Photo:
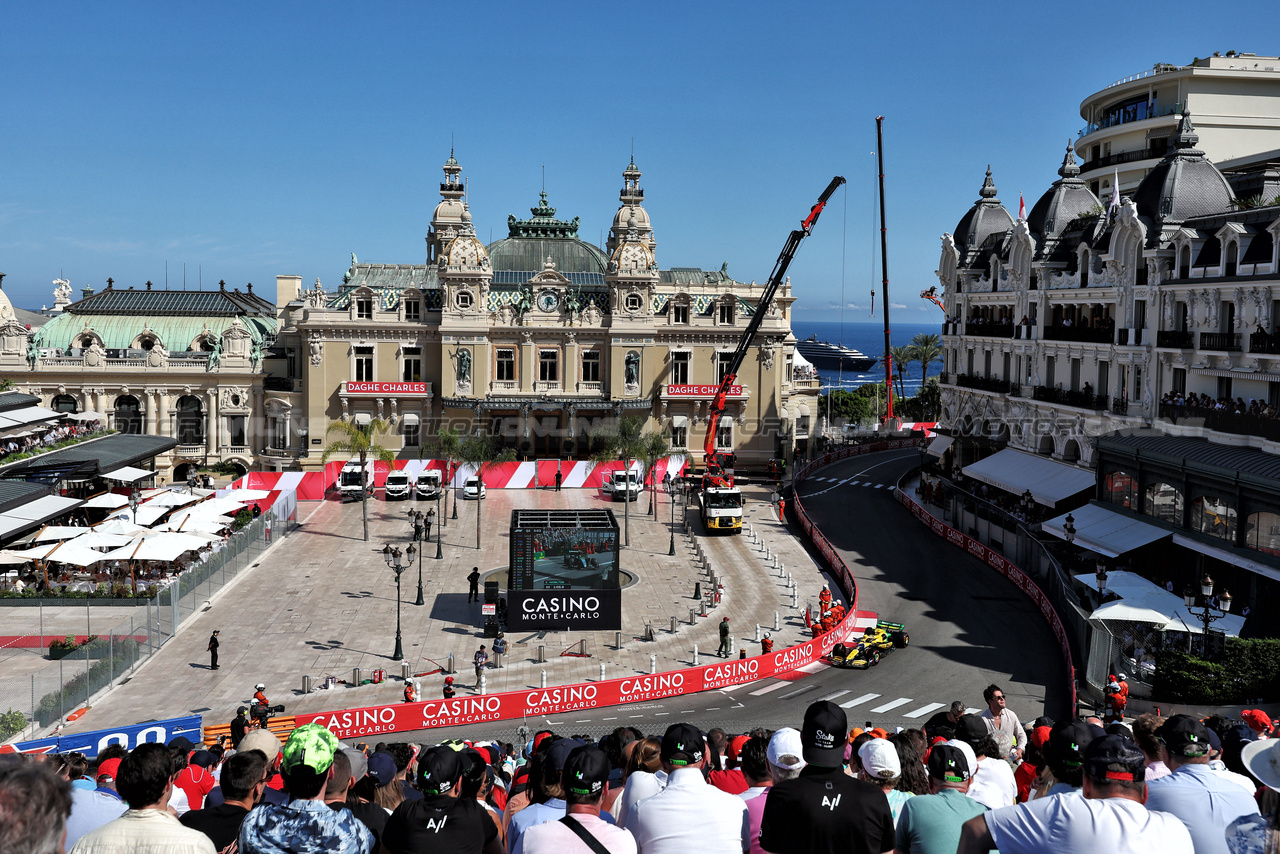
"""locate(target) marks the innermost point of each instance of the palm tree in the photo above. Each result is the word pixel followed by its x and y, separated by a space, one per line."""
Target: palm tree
pixel 655 448
pixel 625 441
pixel 358 440
pixel 902 359
pixel 478 452
pixel 445 446
pixel 927 349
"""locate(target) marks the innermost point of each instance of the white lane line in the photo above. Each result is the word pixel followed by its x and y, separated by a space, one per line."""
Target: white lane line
pixel 587 721
pixel 768 688
pixel 878 485
pixel 901 701
pixel 713 709
pixel 924 710
pixel 614 718
pixel 660 714
pixel 865 698
pixel 635 716
pixel 739 685
pixel 831 696
pixel 551 722
pixel 974 711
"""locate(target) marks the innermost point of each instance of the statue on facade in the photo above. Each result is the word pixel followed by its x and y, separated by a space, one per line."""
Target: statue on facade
pixel 215 354
pixel 33 352
pixel 524 301
pixel 464 367
pixel 573 303
pixel 632 368
pixel 255 353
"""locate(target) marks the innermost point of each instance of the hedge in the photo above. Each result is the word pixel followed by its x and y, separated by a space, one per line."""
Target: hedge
pixel 1248 672
pixel 72 694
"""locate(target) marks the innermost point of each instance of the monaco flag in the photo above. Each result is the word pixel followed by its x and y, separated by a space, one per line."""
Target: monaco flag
pixel 1022 208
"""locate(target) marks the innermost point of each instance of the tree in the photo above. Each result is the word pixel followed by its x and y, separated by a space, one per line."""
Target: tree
pixel 655 447
pixel 357 440
pixel 624 441
pixel 479 452
pixel 839 406
pixel 445 446
pixel 902 359
pixel 926 348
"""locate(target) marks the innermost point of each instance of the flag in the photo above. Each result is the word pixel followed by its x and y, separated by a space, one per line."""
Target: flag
pixel 1022 208
pixel 1115 195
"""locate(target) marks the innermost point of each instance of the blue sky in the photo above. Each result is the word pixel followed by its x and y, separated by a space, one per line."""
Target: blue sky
pixel 251 140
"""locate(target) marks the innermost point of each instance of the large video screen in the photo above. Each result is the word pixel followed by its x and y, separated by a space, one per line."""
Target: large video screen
pixel 561 554
pixel 566 559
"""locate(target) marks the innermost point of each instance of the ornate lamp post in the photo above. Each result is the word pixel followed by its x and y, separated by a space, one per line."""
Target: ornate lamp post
pixel 392 557
pixel 1028 502
pixel 1101 576
pixel 1070 529
pixel 431 517
pixel 416 519
pixel 670 489
pixel 1205 613
pixel 135 498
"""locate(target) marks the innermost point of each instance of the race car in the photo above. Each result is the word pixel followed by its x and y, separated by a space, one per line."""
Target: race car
pixel 882 638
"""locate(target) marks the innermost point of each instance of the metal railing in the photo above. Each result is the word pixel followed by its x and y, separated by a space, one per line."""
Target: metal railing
pixel 1225 341
pixel 1173 338
pixel 1119 406
pixel 1065 397
pixel 986 384
pixel 1221 420
pixel 1122 157
pixel 1094 334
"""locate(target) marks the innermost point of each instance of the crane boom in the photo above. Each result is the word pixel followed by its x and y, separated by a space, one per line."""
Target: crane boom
pixel 714 473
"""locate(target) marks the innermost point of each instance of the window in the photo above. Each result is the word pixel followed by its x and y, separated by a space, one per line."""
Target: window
pixel 190 421
pixel 64 403
pixel 506 364
pixel 634 302
pixel 412 309
pixel 1214 515
pixel 129 415
pixel 364 308
pixel 1120 489
pixel 790 365
pixel 591 366
pixel 1179 381
pixel 1184 263
pixel 724 435
pixel 548 365
pixel 679 436
pixel 680 368
pixel 279 435
pixel 235 431
pixel 412 372
pixel 412 434
pixel 464 300
pixel 723 361
pixel 291 363
pixel 1164 502
pixel 364 364
pixel 1262 532
pixel 680 314
pixel 726 314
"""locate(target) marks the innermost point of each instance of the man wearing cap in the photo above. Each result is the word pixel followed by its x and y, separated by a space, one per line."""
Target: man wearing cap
pixel 1204 801
pixel 239 726
pixel 824 809
pixel 440 820
pixel 264 741
pixel 585 781
pixel 725 651
pixel 689 814
pixel 305 824
pixel 337 797
pixel 993 783
pixel 783 762
pixel 1110 817
pixel 1258 721
pixel 242 786
pixel 213 650
pixel 553 784
pixel 930 824
pixel 1065 754
pixel 196 780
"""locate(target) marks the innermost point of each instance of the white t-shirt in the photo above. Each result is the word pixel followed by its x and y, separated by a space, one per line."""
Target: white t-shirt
pixel 639 785
pixel 1071 823
pixel 994 784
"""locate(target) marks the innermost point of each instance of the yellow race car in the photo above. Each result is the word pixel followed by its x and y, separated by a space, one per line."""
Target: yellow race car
pixel 881 639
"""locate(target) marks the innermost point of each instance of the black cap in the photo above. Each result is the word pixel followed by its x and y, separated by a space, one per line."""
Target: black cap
pixel 1112 750
pixel 181 743
pixel 1068 741
pixel 972 730
pixel 1185 736
pixel 682 744
pixel 439 769
pixel 822 737
pixel 204 759
pixel 1119 729
pixel 240 710
pixel 559 752
pixel 948 764
pixel 585 771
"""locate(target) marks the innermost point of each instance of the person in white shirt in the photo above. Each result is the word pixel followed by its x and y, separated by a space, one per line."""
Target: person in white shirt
pixel 689 814
pixel 1109 817
pixel 1004 724
pixel 645 778
pixel 585 780
pixel 993 784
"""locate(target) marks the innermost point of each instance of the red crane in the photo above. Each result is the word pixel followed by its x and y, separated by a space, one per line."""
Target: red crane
pixel 715 474
pixel 932 296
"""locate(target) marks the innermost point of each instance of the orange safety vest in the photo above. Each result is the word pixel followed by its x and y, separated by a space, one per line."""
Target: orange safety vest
pixel 766 646
pixel 410 694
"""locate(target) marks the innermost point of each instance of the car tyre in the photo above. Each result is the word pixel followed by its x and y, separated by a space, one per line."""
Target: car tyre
pixel 875 658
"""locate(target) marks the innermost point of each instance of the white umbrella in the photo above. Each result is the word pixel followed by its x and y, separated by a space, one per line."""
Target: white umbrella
pixel 107 501
pixel 193 524
pixel 146 516
pixel 36 553
pixel 58 532
pixel 8 558
pixel 171 499
pixel 164 546
pixel 118 525
pixel 76 555
pixel 217 507
pixel 98 540
pixel 246 494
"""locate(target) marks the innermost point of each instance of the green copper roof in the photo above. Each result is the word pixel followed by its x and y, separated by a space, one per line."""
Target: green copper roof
pixel 118 332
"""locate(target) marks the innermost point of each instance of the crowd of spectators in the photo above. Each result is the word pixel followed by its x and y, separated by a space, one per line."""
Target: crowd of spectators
pixel 52 435
pixel 961 783
pixel 1201 404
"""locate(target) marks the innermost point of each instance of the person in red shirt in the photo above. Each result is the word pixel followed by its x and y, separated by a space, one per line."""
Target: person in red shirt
pixel 824 599
pixel 1032 761
pixel 410 691
pixel 196 780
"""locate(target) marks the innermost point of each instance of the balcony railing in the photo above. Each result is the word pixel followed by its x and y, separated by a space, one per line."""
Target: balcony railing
pixel 989 330
pixel 1221 420
pixel 1119 406
pixel 1128 336
pixel 1226 341
pixel 1172 338
pixel 504 385
pixel 1064 397
pixel 546 385
pixel 281 384
pixel 190 450
pixel 1122 157
pixel 1261 342
pixel 1095 334
pixel 589 386
pixel 986 384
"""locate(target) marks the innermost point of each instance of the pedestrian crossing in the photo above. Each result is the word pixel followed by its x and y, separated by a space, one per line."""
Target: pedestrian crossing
pixel 847 482
pixel 907 708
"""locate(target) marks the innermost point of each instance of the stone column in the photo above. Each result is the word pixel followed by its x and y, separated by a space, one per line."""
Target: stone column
pixel 211 424
pixel 151 400
pixel 571 370
pixel 528 363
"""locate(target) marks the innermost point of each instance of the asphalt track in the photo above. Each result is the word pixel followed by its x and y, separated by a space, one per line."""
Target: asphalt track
pixel 969 627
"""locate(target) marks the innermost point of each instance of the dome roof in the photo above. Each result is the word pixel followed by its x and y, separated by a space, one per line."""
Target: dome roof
pixel 1068 198
pixel 465 250
pixel 530 242
pixel 987 217
pixel 1185 184
pixel 627 212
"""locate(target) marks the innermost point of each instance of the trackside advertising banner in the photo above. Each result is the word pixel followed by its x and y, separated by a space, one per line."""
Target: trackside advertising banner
pixel 90 743
pixel 565 609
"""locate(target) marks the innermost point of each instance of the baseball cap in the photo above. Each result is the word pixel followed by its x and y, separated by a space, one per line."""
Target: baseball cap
pixel 949 764
pixel 586 770
pixel 786 742
pixel 1068 741
pixel 972 730
pixel 310 746
pixel 1040 735
pixel 181 743
pixel 822 734
pixel 1117 728
pixel 682 744
pixel 735 746
pixel 970 758
pixel 1257 719
pixel 261 739
pixel 359 763
pixel 240 710
pixel 382 768
pixel 880 759
pixel 1114 750
pixel 204 759
pixel 438 770
pixel 1184 735
pixel 110 769
pixel 560 751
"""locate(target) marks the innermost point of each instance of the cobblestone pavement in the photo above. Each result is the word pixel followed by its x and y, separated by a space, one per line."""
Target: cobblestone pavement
pixel 323 602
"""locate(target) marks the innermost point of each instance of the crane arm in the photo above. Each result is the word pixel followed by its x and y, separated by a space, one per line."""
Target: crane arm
pixel 710 454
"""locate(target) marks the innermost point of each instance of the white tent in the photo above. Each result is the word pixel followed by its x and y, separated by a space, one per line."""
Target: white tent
pixel 36 553
pixel 98 540
pixel 1144 602
pixel 128 474
pixel 58 532
pixel 74 554
pixel 8 558
pixel 164 546
pixel 107 501
pixel 192 524
pixel 1017 472
pixel 218 507
pixel 169 498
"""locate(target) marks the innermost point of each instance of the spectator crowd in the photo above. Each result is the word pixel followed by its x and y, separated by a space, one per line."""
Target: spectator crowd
pixel 961 783
pixel 32 440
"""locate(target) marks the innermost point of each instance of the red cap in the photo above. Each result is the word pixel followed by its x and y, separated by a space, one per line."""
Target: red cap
pixel 109 768
pixel 735 745
pixel 1040 735
pixel 1256 718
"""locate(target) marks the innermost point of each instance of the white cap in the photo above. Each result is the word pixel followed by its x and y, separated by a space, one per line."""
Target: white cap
pixel 969 755
pixel 880 759
pixel 786 742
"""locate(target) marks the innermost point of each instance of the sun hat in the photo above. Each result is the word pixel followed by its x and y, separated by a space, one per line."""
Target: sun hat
pixel 1261 758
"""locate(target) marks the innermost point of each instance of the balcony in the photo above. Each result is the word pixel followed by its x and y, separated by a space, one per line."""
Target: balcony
pixel 190 450
pixel 1261 342
pixel 1222 421
pixel 1117 159
pixel 281 384
pixel 546 386
pixel 504 385
pixel 1172 338
pixel 986 384
pixel 277 453
pixel 1129 337
pixel 590 387
pixel 1096 335
pixel 1226 341
pixel 989 330
pixel 1119 406
pixel 1078 399
pixel 1128 117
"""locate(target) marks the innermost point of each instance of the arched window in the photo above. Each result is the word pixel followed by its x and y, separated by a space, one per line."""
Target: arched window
pixel 1233 253
pixel 1214 515
pixel 1164 502
pixel 1184 263
pixel 128 414
pixel 1121 489
pixel 1084 269
pixel 190 421
pixel 64 403
pixel 1262 532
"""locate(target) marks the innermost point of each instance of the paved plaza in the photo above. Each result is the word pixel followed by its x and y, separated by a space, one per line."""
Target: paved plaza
pixel 323 602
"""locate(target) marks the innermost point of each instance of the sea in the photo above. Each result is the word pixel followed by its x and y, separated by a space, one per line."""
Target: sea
pixel 869 339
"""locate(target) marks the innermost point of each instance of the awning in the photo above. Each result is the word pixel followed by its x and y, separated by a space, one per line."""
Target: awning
pixel 128 474
pixel 802 410
pixel 87 415
pixel 1105 531
pixel 106 501
pixel 939 446
pixel 1226 555
pixel 1142 601
pixel 410 418
pixel 43 508
pixel 680 421
pixel 362 419
pixel 27 415
pixel 1017 472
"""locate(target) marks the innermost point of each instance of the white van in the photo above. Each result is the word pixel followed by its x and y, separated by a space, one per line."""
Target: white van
pixel 428 485
pixel 351 481
pixel 397 485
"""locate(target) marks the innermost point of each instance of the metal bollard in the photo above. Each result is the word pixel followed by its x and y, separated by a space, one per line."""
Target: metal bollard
pixel 793 597
pixel 673 625
pixel 653 664
pixel 757 633
pixel 483 683
pixel 617 643
pixel 405 670
pixel 693 616
pixel 306 684
pixel 544 679
pixel 703 608
pixel 775 621
pixel 602 671
pixel 450 668
pixel 542 654
pixel 356 677
pixel 695 655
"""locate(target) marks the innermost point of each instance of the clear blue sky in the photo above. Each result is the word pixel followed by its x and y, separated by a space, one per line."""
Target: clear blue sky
pixel 252 140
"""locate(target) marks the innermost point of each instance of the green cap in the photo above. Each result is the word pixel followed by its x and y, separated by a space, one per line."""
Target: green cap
pixel 311 746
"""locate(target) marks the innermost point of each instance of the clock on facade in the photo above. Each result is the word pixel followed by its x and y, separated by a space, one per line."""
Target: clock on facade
pixel 547 300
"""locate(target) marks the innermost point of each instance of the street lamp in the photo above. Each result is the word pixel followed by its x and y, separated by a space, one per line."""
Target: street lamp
pixel 670 489
pixel 1028 501
pixel 392 557
pixel 134 499
pixel 1070 529
pixel 431 517
pixel 415 519
pixel 1101 576
pixel 1205 613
